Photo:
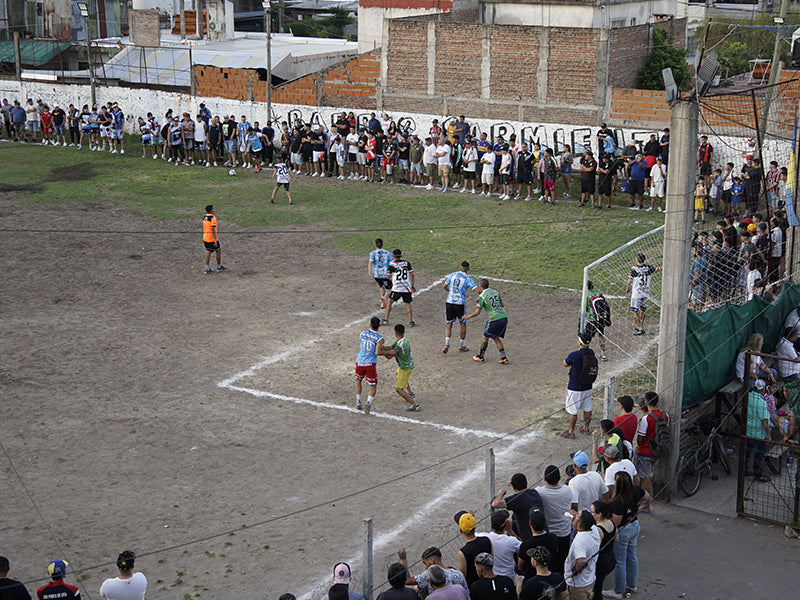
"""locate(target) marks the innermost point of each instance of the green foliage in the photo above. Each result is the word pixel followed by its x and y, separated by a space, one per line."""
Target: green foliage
pixel 326 27
pixel 664 56
pixel 732 57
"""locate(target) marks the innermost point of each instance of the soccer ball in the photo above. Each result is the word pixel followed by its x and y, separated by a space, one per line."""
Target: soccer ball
pixel 232 172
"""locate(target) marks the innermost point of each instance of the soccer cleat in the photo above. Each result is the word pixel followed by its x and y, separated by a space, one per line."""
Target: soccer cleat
pixel 384 321
pixel 220 268
pixel 503 361
pixel 414 408
pixel 412 324
pixel 478 358
pixel 359 406
pixel 208 270
pixel 256 170
pixel 368 407
pixel 446 349
pixel 463 349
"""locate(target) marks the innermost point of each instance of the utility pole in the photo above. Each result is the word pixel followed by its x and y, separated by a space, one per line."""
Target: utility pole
pixel 267 5
pixel 774 73
pixel 182 10
pixel 675 283
pixel 84 10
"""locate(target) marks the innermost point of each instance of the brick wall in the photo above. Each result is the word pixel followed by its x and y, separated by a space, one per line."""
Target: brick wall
pixel 458 59
pixel 350 83
pixel 515 59
pixel 630 47
pixel 572 65
pixel 639 108
pixel 407 68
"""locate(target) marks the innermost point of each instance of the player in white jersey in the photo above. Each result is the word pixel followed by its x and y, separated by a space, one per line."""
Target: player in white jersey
pixel 402 275
pixel 379 260
pixel 283 175
pixel 371 347
pixel 456 284
pixel 639 286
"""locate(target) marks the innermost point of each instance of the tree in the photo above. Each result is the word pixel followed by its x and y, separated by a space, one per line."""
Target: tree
pixel 326 27
pixel 664 56
pixel 733 58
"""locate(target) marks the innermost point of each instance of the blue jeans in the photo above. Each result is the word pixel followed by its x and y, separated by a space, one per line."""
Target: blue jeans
pixel 627 568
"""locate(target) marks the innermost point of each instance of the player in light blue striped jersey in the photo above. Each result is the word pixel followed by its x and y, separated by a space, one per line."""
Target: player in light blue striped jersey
pixel 379 260
pixel 457 284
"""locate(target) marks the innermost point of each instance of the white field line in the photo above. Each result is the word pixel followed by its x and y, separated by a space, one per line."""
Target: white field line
pixel 544 285
pixel 467 478
pixel 230 384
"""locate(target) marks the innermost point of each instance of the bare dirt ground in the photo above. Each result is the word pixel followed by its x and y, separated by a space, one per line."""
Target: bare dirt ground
pixel 113 347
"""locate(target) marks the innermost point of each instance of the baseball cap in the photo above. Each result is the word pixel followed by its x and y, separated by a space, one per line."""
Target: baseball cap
pixel 341 573
pixel 287 596
pixel 580 459
pixel 499 519
pixel 467 522
pixel 584 338
pixel 611 451
pixel 626 402
pixel 760 384
pixel 458 515
pixel 57 568
pixel 484 559
pixel 540 554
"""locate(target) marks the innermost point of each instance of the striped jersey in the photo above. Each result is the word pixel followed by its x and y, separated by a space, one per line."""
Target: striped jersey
pixel 380 258
pixel 458 283
pixel 400 271
pixel 369 342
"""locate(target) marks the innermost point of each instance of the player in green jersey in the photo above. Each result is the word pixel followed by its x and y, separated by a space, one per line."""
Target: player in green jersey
pixel 401 350
pixel 489 300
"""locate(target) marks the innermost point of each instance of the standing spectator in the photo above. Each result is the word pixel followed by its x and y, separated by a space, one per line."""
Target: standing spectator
pixel 664 143
pixel 86 128
pixel 351 141
pixel 700 199
pixel 504 172
pixel 606 171
pixel 588 169
pixel 469 159
pixel 776 253
pixel 59 125
pixel 557 501
pixel 404 158
pixel 46 120
pixel 698 279
pixel 341 577
pixel 435 132
pixel 658 189
pixel 214 140
pixel 5 109
pixel 211 239
pixel 457 284
pixel 638 284
pixel 442 155
pixel 637 169
pixel 127 585
pixel 606 558
pixel 18 117
pixel 540 538
pixel 56 589
pixel 505 544
pixel 598 315
pixel 440 588
pixel 758 430
pixel 705 155
pixel 462 129
pixel 176 153
pixel 74 121
pixel 229 133
pixel 605 141
pixel 521 502
pixel 268 133
pixel 548 168
pixel 432 559
pixel 205 114
pixel 397 580
pixel 773 177
pixel 645 434
pixel 487 173
pixel 117 127
pixel 523 170
pixel 187 133
pixel 373 124
pixel 579 567
pixel 10 589
pixel 490 586
pixel 579 392
pixel 472 547
pixel 32 119
pixel 415 155
pixel 785 349
pixel 200 140
pixel 567 158
pixel 544 584
pixel 402 275
pixel 616 463
pixel 627 421
pixel 625 506
pixel 496 322
pixel 752 176
pixel 586 486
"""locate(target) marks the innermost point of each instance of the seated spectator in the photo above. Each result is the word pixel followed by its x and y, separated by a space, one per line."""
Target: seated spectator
pixel 758 369
pixel 785 349
pixel 432 557
pixel 397 580
pixel 441 589
pixel 545 584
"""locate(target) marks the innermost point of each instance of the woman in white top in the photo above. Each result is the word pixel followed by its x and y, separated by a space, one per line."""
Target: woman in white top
pixel 128 585
pixel 757 368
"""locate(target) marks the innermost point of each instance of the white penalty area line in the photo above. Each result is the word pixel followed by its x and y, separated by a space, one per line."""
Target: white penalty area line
pixel 544 285
pixel 231 384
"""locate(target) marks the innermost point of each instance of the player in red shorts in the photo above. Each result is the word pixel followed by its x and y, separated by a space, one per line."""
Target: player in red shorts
pixel 371 347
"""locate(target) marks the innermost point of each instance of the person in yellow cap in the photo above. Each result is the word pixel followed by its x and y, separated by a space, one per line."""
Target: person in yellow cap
pixel 57 589
pixel 474 545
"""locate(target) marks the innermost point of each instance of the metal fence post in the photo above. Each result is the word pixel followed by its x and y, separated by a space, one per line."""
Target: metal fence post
pixel 610 393
pixel 490 484
pixel 366 588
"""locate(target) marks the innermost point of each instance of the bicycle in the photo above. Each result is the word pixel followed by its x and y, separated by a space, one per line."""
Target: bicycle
pixel 699 458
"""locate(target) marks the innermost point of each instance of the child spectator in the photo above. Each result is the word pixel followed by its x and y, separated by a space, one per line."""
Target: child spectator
pixel 700 195
pixel 737 191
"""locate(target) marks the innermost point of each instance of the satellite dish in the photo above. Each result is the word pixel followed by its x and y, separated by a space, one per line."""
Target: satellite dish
pixel 706 73
pixel 669 85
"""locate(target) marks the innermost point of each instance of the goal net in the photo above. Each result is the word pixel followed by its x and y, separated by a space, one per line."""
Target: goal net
pixel 632 356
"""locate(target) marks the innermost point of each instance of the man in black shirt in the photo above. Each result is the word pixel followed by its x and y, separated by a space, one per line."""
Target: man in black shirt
pixel 540 537
pixel 544 584
pixel 472 548
pixel 520 503
pixel 490 586
pixel 403 154
pixel 10 589
pixel 59 119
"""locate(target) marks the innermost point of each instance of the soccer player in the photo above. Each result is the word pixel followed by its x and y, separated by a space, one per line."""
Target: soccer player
pixel 456 284
pixel 598 316
pixel 489 300
pixel 402 275
pixel 282 175
pixel 379 260
pixel 211 239
pixel 371 347
pixel 401 350
pixel 639 285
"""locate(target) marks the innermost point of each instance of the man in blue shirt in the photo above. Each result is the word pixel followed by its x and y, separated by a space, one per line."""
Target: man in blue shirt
pixel 757 431
pixel 579 395
pixel 457 284
pixel 638 171
pixel 204 113
pixel 379 260
pixel 117 125
pixel 371 346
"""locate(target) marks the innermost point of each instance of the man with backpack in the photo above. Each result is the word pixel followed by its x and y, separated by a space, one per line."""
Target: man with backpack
pixel 598 316
pixel 654 439
pixel 582 365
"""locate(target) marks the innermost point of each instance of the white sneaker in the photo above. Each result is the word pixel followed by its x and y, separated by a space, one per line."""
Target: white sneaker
pixel 144 155
pixel 649 209
pixel 314 174
pixel 64 144
pixel 78 146
pixel 527 198
pixel 155 156
pixel 71 144
pixel 208 164
pixel 169 159
pixel 483 193
pixel 517 197
pixel 473 191
pixel 215 164
pixel 462 190
pixel 612 594
pixel 429 187
pixel 541 198
pixel 454 186
pixel 340 177
pixel 122 151
pixel 191 163
pixel 114 151
pixel 322 174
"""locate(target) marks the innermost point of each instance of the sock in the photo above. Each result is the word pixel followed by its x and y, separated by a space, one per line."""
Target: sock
pixel 369 399
pixel 447 341
pixel 462 343
pixel 483 349
pixel 502 353
pixel 358 397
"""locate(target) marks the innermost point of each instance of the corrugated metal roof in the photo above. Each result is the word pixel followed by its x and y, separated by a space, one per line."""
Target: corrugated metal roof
pixel 32 52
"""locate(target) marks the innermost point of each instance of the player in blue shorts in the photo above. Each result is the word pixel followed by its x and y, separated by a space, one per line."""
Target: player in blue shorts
pixel 456 284
pixel 379 260
pixel 489 300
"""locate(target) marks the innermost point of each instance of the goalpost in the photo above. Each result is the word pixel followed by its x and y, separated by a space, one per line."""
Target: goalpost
pixel 632 357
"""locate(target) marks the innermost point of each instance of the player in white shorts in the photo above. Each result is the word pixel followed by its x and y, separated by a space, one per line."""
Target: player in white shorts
pixel 283 175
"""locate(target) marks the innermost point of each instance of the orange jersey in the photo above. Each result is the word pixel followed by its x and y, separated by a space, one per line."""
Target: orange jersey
pixel 209 228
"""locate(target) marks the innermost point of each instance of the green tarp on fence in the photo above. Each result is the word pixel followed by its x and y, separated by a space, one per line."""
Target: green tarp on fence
pixel 713 340
pixel 32 52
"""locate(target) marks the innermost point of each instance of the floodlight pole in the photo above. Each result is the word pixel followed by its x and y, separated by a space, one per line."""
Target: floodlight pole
pixel 83 7
pixel 268 28
pixel 774 73
pixel 675 283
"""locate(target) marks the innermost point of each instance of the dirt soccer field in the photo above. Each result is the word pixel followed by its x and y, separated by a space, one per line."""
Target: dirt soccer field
pixel 147 406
